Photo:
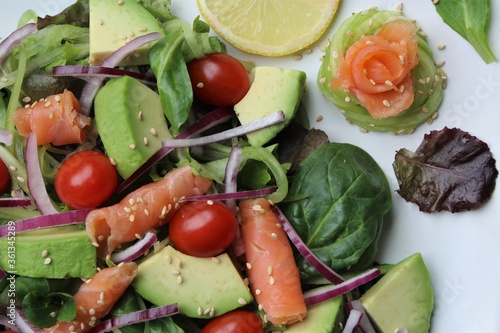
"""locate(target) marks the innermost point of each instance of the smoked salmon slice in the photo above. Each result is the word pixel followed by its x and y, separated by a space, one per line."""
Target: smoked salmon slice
pixel 96 296
pixel 272 272
pixel 56 119
pixel 377 69
pixel 143 210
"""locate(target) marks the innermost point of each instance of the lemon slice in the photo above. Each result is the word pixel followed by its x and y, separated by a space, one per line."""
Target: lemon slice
pixel 269 27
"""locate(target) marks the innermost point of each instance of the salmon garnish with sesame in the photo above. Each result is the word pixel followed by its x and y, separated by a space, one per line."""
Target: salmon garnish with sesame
pixel 96 296
pixel 377 69
pixel 56 119
pixel 143 210
pixel 272 272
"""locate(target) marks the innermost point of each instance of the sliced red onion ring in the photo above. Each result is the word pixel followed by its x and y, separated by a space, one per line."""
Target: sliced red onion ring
pixel 15 202
pixel 218 116
pixel 330 291
pixel 14 39
pixel 135 317
pixel 353 320
pixel 262 192
pixel 136 250
pixel 90 89
pixel 101 72
pixel 5 137
pixel 323 269
pixel 365 324
pixel 36 183
pixel 231 173
pixel 46 221
pixel 23 325
pixel 269 120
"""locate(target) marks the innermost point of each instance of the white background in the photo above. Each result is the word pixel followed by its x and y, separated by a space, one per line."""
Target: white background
pixel 461 250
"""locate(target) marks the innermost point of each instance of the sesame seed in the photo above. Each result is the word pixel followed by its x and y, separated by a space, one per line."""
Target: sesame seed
pixel 176 272
pixel 420 92
pixel 131 218
pixel 278 225
pixel 249 265
pixel 212 312
pixel 372 82
pixel 20 179
pixel 127 209
pixel 322 80
pixel 388 83
pixel 435 2
pixel 242 301
pixel 319 118
pixel 100 21
pixel 82 326
pixel 164 211
pixel 401 88
pixel 200 311
pixel 274 235
pixel 27 99
pixel 210 202
pixel 45 253
pixel 101 302
pixel 47 261
pixel 146 212
pixel 297 56
pixel 112 161
pixel 4 79
pixel 131 146
pixel 143 29
pixel 216 260
pixel 53 315
pixel 101 296
pixel 386 103
pixel 257 291
pixel 369 42
pixel 441 47
pixel 421 81
pixel 120 2
pixel 179 279
pixel 260 307
pixel 146 141
pixel 140 115
pixel 335 54
pixel 168 259
pixel 207 311
pixel 47 104
pixel 271 280
pixel 88 281
pixel 269 270
pixel 350 33
pixel 401 59
pixel 153 131
pixel 425 109
pixel 138 236
pixel 71 328
pixel 440 63
pixel 256 207
pixel 100 238
pixel 347 99
pixel 370 23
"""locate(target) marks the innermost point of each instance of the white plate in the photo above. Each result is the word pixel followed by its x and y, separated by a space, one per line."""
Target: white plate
pixel 461 250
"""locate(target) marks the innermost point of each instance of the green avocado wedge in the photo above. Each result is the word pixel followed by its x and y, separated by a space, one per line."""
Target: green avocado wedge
pixel 402 298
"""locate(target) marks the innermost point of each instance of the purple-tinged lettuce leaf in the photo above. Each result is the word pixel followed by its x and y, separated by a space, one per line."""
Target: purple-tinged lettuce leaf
pixel 451 170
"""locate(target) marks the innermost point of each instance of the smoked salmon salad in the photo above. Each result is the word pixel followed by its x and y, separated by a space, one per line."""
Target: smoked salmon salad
pixel 153 179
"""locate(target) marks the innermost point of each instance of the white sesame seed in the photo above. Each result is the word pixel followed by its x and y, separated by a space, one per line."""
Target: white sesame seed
pixel 100 238
pixel 386 103
pixel 210 202
pixel 131 146
pixel 271 280
pixel 179 279
pixel 88 281
pixel 335 54
pixel 153 131
pixel 176 272
pixel 269 270
pixel 146 212
pixel 140 115
pixel 138 236
pixel 20 179
pixel 212 312
pixel 256 207
pixel 47 261
pixel 127 209
pixel 101 302
pixel 258 291
pixel 52 314
pixel 216 260
pixel 45 253
pixel 388 83
pixel 347 99
pixel 146 141
pixel 322 80
pixel 168 259
pixel 369 42
pixel 249 265
pixel 242 301
pixel 200 311
pixel 372 82
pixel 4 79
pixel 441 46
pixel 131 218
pixel 274 235
pixel 207 311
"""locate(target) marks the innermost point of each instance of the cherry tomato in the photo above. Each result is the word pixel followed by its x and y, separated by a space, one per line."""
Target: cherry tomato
pixel 86 179
pixel 4 177
pixel 218 79
pixel 203 229
pixel 236 321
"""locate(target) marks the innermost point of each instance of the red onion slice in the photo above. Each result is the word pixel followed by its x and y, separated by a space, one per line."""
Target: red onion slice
pixel 365 324
pixel 46 221
pixel 5 137
pixel 101 72
pixel 36 183
pixel 136 250
pixel 323 269
pixel 15 202
pixel 14 39
pixel 262 192
pixel 330 291
pixel 23 325
pixel 352 321
pixel 209 120
pixel 269 120
pixel 90 89
pixel 231 173
pixel 135 317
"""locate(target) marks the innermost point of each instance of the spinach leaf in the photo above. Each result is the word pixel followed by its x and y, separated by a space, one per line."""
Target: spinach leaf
pixel 470 19
pixel 174 85
pixel 346 195
pixel 45 310
pixel 450 170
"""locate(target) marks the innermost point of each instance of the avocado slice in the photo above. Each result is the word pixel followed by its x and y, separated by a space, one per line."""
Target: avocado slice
pixel 114 23
pixel 130 121
pixel 52 253
pixel 202 287
pixel 272 89
pixel 325 317
pixel 402 298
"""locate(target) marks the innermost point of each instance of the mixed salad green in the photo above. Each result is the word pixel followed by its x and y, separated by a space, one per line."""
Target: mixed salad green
pixel 334 195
